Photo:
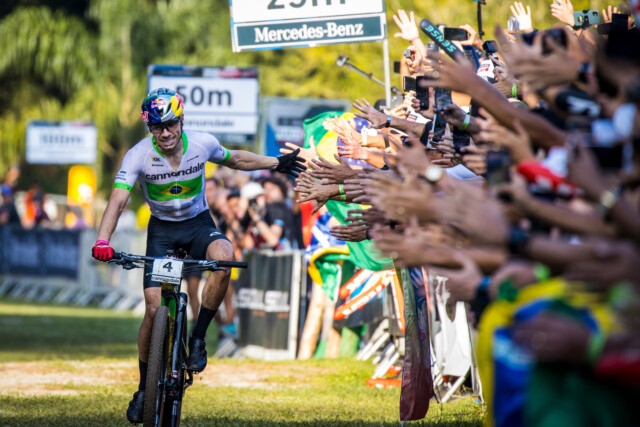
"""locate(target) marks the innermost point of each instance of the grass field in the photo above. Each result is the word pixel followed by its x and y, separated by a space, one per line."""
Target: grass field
pixel 65 366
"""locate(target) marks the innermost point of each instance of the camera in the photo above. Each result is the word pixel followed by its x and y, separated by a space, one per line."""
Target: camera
pixel 461 139
pixel 586 18
pixel 443 98
pixel 490 47
pixel 498 162
pixel 513 26
pixel 422 93
pixel 253 204
pixel 557 35
pixel 455 34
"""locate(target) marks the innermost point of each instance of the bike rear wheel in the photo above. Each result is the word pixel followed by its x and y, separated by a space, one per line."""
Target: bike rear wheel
pixel 157 366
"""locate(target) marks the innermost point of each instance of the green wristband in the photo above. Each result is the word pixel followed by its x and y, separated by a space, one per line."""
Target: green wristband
pixel 343 198
pixel 341 188
pixel 595 347
pixel 541 272
pixel 514 91
pixel 467 120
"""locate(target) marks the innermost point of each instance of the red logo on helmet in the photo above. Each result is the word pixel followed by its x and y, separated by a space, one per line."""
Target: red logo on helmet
pixel 158 102
pixel 145 116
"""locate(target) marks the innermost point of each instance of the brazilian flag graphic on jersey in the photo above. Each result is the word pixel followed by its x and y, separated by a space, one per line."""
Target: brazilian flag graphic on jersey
pixel 174 190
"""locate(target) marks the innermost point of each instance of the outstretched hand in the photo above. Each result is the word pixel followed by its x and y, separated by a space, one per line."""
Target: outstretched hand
pixel 291 163
pixel 368 112
pixel 307 154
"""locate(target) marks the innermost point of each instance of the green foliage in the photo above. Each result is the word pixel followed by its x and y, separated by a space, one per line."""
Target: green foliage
pixel 62 66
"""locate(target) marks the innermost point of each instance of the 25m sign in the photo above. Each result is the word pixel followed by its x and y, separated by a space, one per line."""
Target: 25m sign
pixel 273 24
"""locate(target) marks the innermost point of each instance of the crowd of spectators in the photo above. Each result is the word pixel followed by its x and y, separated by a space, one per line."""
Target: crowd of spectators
pixel 513 175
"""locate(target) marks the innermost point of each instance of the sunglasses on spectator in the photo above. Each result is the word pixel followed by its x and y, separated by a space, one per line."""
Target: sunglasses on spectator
pixel 159 127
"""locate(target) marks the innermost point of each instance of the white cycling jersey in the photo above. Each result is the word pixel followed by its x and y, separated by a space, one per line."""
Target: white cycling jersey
pixel 172 195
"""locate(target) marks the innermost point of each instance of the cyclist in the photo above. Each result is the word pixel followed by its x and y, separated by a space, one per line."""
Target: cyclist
pixel 169 166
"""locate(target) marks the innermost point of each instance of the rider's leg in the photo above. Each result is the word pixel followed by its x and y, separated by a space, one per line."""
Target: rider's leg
pixel 152 298
pixel 193 286
pixel 215 287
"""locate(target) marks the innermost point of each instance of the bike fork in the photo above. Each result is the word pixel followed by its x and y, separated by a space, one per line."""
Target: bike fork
pixel 179 344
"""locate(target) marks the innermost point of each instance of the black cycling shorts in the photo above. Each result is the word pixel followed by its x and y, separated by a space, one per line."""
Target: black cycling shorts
pixel 193 235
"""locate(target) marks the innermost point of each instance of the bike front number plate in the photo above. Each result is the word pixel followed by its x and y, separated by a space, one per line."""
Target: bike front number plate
pixel 167 271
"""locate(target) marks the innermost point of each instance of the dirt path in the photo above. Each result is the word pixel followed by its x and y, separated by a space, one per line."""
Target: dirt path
pixel 72 377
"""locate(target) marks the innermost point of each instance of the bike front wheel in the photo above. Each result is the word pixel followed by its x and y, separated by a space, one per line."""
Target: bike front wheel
pixel 157 367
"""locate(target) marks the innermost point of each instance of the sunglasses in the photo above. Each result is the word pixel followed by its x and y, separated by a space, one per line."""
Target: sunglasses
pixel 159 127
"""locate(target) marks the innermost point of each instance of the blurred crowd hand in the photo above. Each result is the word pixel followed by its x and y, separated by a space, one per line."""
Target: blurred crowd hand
pixel 368 112
pixel 307 154
pixel 415 62
pixel 482 220
pixel 515 191
pixel 453 115
pixel 505 79
pixel 519 272
pixel 355 188
pixel 353 150
pixel 369 217
pixel 473 39
pixel 411 159
pixel 607 14
pixel 462 283
pixel 409 247
pixel 562 10
pixel 312 189
pixel 400 111
pixel 429 113
pixel 345 129
pixel 474 159
pixel 331 173
pixel 613 262
pixel 523 16
pixel 517 141
pixel 407 25
pixel 554 337
pixel 583 166
pixel 457 76
pixel 399 200
pixel 352 232
pixel 531 66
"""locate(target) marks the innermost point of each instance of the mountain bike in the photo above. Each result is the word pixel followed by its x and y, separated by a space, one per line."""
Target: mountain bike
pixel 167 374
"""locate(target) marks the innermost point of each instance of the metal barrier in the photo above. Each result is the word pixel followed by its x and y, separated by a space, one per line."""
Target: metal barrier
pixel 56 266
pixel 269 293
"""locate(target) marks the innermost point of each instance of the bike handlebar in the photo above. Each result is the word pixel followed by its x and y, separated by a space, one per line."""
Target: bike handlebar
pixel 205 264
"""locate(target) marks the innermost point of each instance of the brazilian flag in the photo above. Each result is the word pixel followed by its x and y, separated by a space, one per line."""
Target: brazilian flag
pixel 362 254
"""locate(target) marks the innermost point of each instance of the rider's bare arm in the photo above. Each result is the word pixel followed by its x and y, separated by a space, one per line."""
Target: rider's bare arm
pixel 116 205
pixel 247 161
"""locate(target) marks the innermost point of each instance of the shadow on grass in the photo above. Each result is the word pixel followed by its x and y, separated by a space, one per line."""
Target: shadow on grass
pixel 45 337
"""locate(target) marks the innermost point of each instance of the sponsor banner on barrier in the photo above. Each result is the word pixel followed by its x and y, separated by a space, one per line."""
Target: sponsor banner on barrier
pixel 274 24
pixel 268 304
pixel 39 252
pixel 219 100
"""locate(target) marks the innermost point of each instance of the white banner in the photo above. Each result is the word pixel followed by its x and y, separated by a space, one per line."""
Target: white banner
pixel 61 142
pixel 277 10
pixel 224 104
pixel 274 24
